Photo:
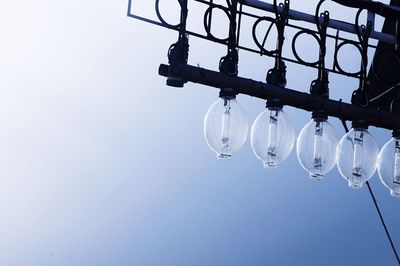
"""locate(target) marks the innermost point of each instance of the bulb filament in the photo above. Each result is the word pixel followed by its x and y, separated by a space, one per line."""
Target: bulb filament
pixel 226 126
pixel 317 164
pixel 396 179
pixel 358 156
pixel 272 138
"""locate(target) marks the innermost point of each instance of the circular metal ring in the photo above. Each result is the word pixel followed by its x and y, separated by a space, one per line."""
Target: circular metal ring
pixel 162 20
pixel 259 45
pixel 336 61
pixel 207 25
pixel 294 40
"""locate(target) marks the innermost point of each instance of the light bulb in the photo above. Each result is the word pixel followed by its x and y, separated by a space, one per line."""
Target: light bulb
pixel 317 148
pixel 389 166
pixel 272 136
pixel 225 127
pixel 358 152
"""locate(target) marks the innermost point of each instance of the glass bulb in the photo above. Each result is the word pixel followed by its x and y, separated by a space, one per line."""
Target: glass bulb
pixel 389 166
pixel 225 127
pixel 317 148
pixel 358 152
pixel 272 136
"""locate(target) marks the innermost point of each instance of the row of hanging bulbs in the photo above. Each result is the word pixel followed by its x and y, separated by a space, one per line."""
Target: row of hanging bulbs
pixel 356 155
pixel 272 133
pixel 318 148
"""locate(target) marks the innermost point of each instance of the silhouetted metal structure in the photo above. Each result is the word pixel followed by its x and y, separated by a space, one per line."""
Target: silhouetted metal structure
pixel 377 89
pixel 375 102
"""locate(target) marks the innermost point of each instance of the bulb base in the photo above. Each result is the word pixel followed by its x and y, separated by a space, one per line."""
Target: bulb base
pixel 223 156
pixel 274 104
pixel 227 93
pixel 319 116
pixel 355 185
pixel 396 133
pixel 359 124
pixel 316 177
pixel 395 193
pixel 270 164
pixel 175 82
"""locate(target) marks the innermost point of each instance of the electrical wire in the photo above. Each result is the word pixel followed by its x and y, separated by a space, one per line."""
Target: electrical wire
pixel 383 222
pixel 385 92
pixel 377 208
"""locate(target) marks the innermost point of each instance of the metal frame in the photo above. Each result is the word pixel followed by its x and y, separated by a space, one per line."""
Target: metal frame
pixel 360 111
pixel 234 10
pixel 290 97
pixel 339 26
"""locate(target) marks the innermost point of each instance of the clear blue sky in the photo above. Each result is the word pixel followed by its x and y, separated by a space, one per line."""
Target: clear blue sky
pixel 102 164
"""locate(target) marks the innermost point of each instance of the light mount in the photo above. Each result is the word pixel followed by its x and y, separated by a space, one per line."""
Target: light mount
pixel 369 102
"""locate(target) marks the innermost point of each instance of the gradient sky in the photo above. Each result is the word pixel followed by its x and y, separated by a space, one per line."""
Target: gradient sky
pixel 102 164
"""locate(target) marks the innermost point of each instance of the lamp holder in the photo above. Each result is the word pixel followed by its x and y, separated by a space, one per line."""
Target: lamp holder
pixel 363 33
pixel 284 17
pixel 178 52
pixel 229 64
pixel 320 86
pixel 227 93
pixel 277 75
pixel 360 96
pixel 281 20
pixel 274 103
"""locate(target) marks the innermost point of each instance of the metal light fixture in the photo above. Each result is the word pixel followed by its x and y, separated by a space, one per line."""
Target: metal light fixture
pixel 272 134
pixel 225 124
pixel 358 150
pixel 317 142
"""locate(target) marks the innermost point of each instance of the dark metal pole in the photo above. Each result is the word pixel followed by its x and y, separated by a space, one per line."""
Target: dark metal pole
pixel 387 11
pixel 289 97
pixel 335 24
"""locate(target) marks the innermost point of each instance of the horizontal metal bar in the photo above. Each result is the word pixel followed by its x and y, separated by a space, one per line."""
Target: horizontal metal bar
pixel 335 24
pixel 298 27
pixel 289 97
pixel 387 11
pixel 150 21
pixel 204 37
pixel 157 23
